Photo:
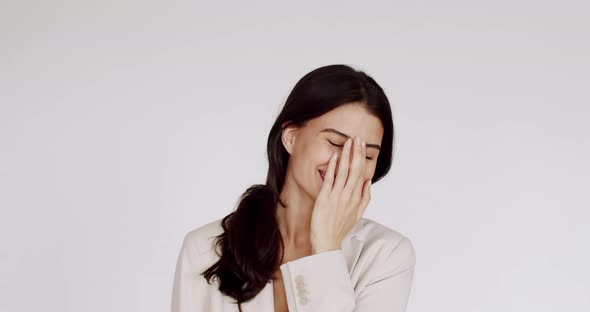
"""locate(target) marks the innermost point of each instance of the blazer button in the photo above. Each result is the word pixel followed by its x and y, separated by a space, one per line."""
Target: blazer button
pixel 299 283
pixel 303 300
pixel 299 279
pixel 301 290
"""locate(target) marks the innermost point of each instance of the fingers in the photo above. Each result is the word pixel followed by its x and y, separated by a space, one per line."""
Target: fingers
pixel 353 188
pixel 329 176
pixel 343 165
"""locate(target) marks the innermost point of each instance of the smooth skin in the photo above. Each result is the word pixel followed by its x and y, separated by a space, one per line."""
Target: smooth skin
pixel 340 204
pixel 343 198
pixel 320 212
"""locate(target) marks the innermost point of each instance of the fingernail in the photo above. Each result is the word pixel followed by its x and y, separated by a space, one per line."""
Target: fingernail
pixel 348 143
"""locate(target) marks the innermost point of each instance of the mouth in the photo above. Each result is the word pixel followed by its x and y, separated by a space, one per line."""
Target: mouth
pixel 322 174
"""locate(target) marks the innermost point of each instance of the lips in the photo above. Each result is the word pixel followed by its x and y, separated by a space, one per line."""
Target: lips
pixel 322 174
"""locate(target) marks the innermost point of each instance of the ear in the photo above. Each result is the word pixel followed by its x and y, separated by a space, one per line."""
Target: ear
pixel 288 137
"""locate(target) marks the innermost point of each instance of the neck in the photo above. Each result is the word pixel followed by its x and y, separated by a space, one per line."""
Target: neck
pixel 294 220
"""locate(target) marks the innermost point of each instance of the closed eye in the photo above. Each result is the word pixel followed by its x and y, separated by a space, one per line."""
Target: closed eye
pixel 341 145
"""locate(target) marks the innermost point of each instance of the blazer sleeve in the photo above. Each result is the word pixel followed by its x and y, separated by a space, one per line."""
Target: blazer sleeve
pixel 321 282
pixel 186 289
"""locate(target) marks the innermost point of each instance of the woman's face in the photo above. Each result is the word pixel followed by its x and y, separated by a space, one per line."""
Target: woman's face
pixel 311 146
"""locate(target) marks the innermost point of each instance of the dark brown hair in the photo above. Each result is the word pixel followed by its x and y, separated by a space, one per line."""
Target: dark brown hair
pixel 251 245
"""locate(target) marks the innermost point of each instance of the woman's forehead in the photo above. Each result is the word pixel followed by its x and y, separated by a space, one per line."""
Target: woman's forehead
pixel 349 120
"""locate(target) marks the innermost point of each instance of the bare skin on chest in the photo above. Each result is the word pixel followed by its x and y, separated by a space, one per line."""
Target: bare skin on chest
pixel 280 297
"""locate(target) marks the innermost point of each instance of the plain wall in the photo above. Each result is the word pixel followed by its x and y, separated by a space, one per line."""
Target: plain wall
pixel 123 125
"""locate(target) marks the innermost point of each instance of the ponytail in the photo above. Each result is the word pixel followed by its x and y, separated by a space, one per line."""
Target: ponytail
pixel 250 246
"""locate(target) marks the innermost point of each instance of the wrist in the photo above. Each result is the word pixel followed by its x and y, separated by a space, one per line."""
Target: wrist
pixel 321 247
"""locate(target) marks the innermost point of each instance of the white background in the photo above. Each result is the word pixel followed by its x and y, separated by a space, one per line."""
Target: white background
pixel 123 125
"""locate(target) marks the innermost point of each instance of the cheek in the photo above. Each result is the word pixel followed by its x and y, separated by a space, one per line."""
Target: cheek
pixel 307 158
pixel 370 171
pixel 320 153
pixel 324 155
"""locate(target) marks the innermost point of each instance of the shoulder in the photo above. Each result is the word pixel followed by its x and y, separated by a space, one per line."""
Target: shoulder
pixel 199 244
pixel 383 245
pixel 201 238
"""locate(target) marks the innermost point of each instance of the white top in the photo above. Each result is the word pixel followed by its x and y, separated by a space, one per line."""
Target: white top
pixel 372 272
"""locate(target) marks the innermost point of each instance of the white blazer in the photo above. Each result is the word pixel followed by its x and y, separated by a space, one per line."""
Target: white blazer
pixel 372 272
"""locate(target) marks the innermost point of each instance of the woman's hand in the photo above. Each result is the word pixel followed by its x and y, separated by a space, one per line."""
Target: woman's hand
pixel 342 199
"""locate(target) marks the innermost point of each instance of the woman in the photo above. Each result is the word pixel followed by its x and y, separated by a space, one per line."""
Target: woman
pixel 299 242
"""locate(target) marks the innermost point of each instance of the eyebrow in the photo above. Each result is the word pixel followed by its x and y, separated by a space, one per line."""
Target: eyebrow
pixel 348 136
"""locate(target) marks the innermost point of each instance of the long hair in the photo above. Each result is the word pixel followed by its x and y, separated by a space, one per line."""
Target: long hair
pixel 251 245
